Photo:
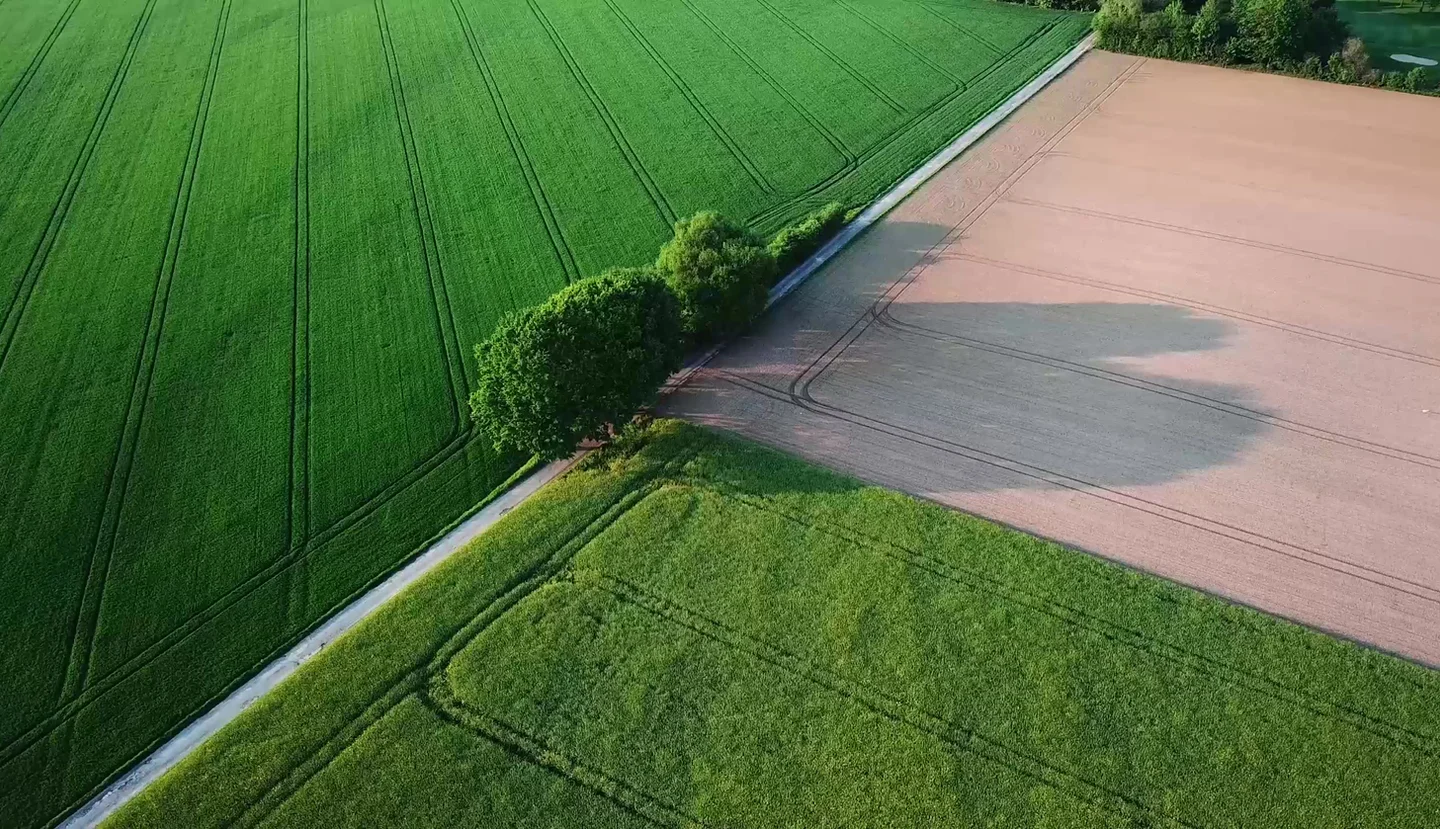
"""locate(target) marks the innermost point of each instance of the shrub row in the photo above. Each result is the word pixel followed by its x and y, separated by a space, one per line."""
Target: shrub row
pixel 579 365
pixel 1298 37
pixel 795 243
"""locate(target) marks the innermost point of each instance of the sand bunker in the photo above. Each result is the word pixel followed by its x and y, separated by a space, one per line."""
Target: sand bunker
pixel 1418 61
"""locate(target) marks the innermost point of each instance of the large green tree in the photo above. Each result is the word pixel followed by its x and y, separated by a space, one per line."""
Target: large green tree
pixel 578 365
pixel 720 272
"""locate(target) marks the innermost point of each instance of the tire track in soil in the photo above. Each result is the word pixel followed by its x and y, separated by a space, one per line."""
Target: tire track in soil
pixel 799 394
pixel 693 98
pixel 25 289
pixel 84 628
pixel 637 167
pixel 886 319
pixel 1218 310
pixel 847 337
pixel 1080 486
pixel 23 82
pixel 1235 240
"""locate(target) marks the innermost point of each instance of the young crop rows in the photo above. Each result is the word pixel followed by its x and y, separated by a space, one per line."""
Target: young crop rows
pixel 706 633
pixel 246 247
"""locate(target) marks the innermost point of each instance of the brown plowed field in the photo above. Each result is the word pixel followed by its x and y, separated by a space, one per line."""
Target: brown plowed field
pixel 1182 317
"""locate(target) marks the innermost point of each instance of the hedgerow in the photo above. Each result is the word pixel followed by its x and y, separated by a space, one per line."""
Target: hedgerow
pixel 794 243
pixel 1296 37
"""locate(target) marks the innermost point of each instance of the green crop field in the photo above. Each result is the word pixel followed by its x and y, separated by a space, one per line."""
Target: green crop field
pixel 705 632
pixel 1395 27
pixel 246 247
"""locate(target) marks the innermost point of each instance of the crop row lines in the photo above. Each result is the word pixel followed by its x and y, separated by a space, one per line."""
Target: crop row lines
pixel 829 53
pixel 420 204
pixel 529 748
pixel 117 479
pixel 662 204
pixel 901 131
pixel 862 695
pixel 809 117
pixel 957 27
pixel 457 638
pixel 25 289
pixel 564 254
pixel 901 42
pixel 177 636
pixel 1125 636
pixel 716 127
pixel 23 82
pixel 296 555
pixel 297 508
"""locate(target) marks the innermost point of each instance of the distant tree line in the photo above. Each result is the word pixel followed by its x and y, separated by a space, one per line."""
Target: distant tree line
pixel 1297 37
pixel 1306 38
pixel 580 365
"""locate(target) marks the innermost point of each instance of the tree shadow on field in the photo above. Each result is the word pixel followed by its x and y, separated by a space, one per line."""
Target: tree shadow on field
pixel 973 396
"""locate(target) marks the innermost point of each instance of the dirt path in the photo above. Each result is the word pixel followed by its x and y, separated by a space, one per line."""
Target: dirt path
pixel 1182 317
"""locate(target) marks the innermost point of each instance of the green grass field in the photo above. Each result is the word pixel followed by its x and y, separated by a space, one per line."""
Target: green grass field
pixel 246 247
pixel 1391 27
pixel 705 632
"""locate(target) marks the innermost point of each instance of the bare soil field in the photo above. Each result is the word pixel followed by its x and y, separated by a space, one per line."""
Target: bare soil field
pixel 1178 316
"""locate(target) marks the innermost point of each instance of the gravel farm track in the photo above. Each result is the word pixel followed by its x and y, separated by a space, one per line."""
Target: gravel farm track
pixel 1178 316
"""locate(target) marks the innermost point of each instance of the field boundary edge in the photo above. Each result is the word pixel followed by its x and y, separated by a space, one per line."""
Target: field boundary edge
pixel 156 764
pixel 899 193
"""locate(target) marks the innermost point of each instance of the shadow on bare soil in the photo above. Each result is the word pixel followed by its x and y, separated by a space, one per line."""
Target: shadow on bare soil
pixel 989 395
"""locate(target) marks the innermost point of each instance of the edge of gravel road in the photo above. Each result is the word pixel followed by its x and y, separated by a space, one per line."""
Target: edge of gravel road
pixel 141 775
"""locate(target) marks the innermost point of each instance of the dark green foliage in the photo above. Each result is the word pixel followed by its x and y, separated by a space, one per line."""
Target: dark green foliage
pixel 794 243
pixel 1418 80
pixel 1291 36
pixel 579 364
pixel 1177 29
pixel 1351 64
pixel 1273 32
pixel 1211 29
pixel 721 273
pixel 1117 26
pixel 1311 67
